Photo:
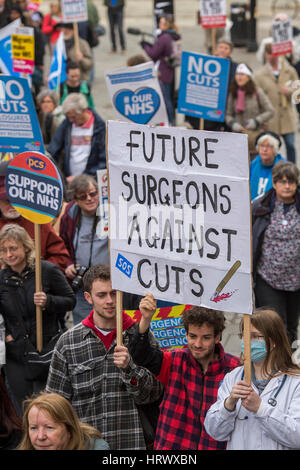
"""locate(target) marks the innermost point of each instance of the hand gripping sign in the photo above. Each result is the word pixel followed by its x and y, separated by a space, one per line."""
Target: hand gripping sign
pixel 35 190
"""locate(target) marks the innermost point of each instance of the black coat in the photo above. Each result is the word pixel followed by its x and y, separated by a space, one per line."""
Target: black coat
pixel 262 208
pixel 17 290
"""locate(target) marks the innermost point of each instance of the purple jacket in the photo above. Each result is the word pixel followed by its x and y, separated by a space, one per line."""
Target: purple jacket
pixel 161 49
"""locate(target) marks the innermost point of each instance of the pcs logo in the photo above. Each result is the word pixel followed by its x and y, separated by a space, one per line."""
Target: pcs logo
pixel 35 163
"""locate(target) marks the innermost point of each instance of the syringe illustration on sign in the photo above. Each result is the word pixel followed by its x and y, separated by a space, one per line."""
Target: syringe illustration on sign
pixel 217 296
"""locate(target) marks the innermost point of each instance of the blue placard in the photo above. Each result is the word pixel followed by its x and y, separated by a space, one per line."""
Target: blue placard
pixel 203 86
pixel 19 126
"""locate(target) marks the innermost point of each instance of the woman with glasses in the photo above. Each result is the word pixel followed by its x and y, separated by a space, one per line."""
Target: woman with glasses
pixel 49 113
pixel 18 301
pixel 266 414
pixel 276 246
pixel 267 145
pixel 78 229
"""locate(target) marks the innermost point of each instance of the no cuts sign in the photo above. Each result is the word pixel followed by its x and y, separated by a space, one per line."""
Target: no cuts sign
pixel 180 215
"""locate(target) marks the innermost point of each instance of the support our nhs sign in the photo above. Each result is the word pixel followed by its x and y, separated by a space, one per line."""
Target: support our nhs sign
pixel 203 86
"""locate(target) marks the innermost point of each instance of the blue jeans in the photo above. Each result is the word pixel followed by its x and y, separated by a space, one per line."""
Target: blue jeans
pixel 82 308
pixel 289 140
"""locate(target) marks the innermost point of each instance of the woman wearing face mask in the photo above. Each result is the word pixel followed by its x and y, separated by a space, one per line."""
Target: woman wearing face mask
pixel 248 107
pixel 266 414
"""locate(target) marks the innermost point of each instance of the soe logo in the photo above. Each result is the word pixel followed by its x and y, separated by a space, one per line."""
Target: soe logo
pixel 36 163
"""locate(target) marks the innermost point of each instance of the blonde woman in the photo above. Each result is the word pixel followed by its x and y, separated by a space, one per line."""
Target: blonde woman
pixel 18 301
pixel 51 423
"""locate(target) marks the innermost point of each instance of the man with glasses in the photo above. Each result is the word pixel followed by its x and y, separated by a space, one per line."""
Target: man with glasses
pixel 78 230
pixel 82 138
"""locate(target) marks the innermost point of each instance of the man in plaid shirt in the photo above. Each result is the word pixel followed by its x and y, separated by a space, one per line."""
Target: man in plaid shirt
pixel 191 377
pixel 88 368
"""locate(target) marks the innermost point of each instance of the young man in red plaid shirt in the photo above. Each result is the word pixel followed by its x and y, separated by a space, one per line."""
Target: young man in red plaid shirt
pixel 191 376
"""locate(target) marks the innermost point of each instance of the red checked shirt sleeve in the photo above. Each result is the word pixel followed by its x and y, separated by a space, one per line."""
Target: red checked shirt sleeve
pixel 164 374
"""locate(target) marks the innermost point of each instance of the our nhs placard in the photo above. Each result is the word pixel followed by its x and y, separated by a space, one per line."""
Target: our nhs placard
pixel 203 86
pixel 136 95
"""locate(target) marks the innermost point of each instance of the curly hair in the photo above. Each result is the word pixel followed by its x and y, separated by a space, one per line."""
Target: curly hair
pixel 200 315
pixel 99 271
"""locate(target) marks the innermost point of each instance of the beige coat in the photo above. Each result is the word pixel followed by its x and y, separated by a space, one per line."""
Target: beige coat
pixel 257 106
pixel 283 121
pixel 86 63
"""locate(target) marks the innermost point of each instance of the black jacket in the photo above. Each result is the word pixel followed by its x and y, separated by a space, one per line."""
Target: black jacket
pixel 16 291
pixel 262 208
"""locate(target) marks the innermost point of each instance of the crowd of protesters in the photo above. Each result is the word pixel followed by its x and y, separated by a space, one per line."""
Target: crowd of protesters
pixel 93 394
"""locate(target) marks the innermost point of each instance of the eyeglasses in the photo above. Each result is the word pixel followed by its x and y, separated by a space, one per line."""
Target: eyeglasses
pixel 84 197
pixel 286 182
pixel 267 147
pixel 47 101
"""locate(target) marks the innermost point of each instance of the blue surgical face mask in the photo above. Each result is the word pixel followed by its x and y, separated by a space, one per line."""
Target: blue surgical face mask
pixel 258 350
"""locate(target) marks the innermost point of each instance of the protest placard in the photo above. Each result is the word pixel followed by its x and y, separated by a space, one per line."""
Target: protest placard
pixel 102 226
pixel 19 126
pixel 74 11
pixel 282 35
pixel 22 45
pixel 213 13
pixel 34 5
pixel 180 215
pixel 136 95
pixel 203 86
pixel 34 188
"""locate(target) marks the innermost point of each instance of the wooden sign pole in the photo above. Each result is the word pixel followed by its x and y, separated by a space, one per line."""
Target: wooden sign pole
pixel 76 37
pixel 247 349
pixel 119 299
pixel 119 318
pixel 201 124
pixel 282 76
pixel 38 286
pixel 213 41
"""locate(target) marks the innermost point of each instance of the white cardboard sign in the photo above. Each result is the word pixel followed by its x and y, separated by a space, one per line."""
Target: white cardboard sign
pixel 282 37
pixel 74 11
pixel 180 215
pixel 213 13
pixel 136 95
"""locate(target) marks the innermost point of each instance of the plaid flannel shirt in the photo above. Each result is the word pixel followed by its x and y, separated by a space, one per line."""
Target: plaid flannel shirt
pixel 82 370
pixel 188 396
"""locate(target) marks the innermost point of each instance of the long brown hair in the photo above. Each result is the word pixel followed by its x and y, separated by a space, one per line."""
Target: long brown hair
pixel 61 411
pixel 279 353
pixel 9 420
pixel 249 88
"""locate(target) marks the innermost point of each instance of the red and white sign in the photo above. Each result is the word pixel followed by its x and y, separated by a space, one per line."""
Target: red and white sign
pixel 282 35
pixel 213 13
